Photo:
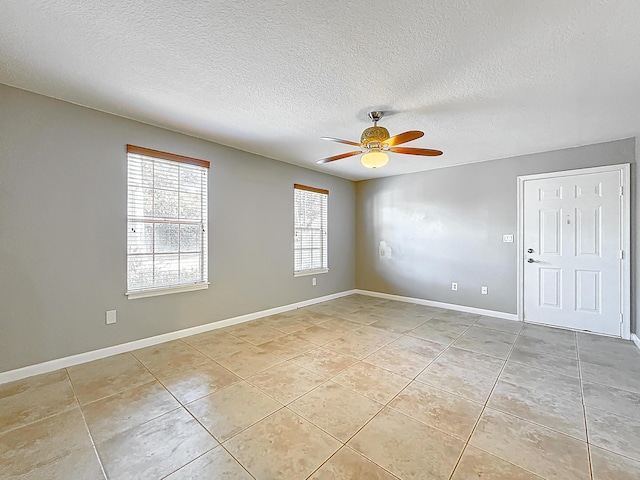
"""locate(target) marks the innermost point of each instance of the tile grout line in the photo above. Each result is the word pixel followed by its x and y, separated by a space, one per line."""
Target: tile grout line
pixel 80 405
pixel 545 370
pixel 384 405
pixel 331 378
pixel 357 453
pixel 368 354
pixel 584 408
pixel 341 442
pixel 86 425
pixel 618 387
pixel 344 443
pixel 414 379
pixel 284 360
pixel 293 412
pixel 183 407
pixel 484 406
pixel 518 335
pixel 238 461
pixel 530 421
pixel 282 405
pixel 189 462
pixel 324 382
pixel 538 424
pixel 446 347
pixel 46 417
pixel 118 392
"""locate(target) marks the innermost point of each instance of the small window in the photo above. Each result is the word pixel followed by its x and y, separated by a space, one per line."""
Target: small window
pixel 166 223
pixel 310 230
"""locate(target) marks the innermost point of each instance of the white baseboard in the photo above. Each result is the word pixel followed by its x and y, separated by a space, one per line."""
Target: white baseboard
pixel 448 306
pixel 72 360
pixel 635 339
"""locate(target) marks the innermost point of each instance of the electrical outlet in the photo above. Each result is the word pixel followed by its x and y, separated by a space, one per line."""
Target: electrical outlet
pixel 484 290
pixel 454 286
pixel 110 317
pixel 313 281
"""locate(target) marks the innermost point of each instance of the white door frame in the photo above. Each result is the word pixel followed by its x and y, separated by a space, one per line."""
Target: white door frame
pixel 625 225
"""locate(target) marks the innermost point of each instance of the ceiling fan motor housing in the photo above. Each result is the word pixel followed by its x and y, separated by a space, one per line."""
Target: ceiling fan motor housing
pixel 373 137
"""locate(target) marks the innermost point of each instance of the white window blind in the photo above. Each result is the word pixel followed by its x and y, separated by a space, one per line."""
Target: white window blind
pixel 167 222
pixel 310 229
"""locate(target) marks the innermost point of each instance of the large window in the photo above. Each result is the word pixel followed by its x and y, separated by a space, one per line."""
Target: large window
pixel 167 223
pixel 310 230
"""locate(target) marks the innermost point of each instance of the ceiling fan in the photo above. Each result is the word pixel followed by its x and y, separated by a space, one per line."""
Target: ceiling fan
pixel 375 141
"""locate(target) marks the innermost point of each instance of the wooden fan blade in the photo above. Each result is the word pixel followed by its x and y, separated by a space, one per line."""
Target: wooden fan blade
pixel 416 151
pixel 339 157
pixel 404 138
pixel 339 140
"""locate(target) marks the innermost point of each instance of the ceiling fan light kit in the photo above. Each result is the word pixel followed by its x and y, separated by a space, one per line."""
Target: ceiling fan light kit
pixel 375 141
pixel 374 159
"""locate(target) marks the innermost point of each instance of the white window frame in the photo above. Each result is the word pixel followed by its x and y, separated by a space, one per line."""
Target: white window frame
pixel 136 154
pixel 305 190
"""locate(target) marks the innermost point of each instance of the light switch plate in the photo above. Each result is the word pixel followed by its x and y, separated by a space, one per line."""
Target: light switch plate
pixel 507 238
pixel 110 317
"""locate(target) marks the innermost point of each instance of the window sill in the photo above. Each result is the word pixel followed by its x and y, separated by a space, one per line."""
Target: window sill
pixel 306 273
pixel 167 291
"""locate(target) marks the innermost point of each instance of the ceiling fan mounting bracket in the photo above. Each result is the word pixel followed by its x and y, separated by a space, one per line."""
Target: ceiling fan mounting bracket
pixel 376 116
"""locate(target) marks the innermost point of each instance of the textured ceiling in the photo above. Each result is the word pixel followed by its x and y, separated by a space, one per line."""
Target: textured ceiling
pixel 483 79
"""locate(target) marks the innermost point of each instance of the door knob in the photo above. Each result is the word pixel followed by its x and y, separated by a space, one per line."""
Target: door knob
pixel 530 250
pixel 531 260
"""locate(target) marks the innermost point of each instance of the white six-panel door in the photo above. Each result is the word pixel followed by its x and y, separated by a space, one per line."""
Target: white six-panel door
pixel 572 240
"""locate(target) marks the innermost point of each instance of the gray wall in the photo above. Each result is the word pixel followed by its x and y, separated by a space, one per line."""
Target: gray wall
pixel 63 232
pixel 446 226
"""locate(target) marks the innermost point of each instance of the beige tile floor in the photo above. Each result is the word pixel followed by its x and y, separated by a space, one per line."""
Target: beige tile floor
pixel 355 388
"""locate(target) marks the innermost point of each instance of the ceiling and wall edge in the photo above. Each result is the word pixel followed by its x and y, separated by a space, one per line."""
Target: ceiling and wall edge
pixel 310 167
pixel 182 132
